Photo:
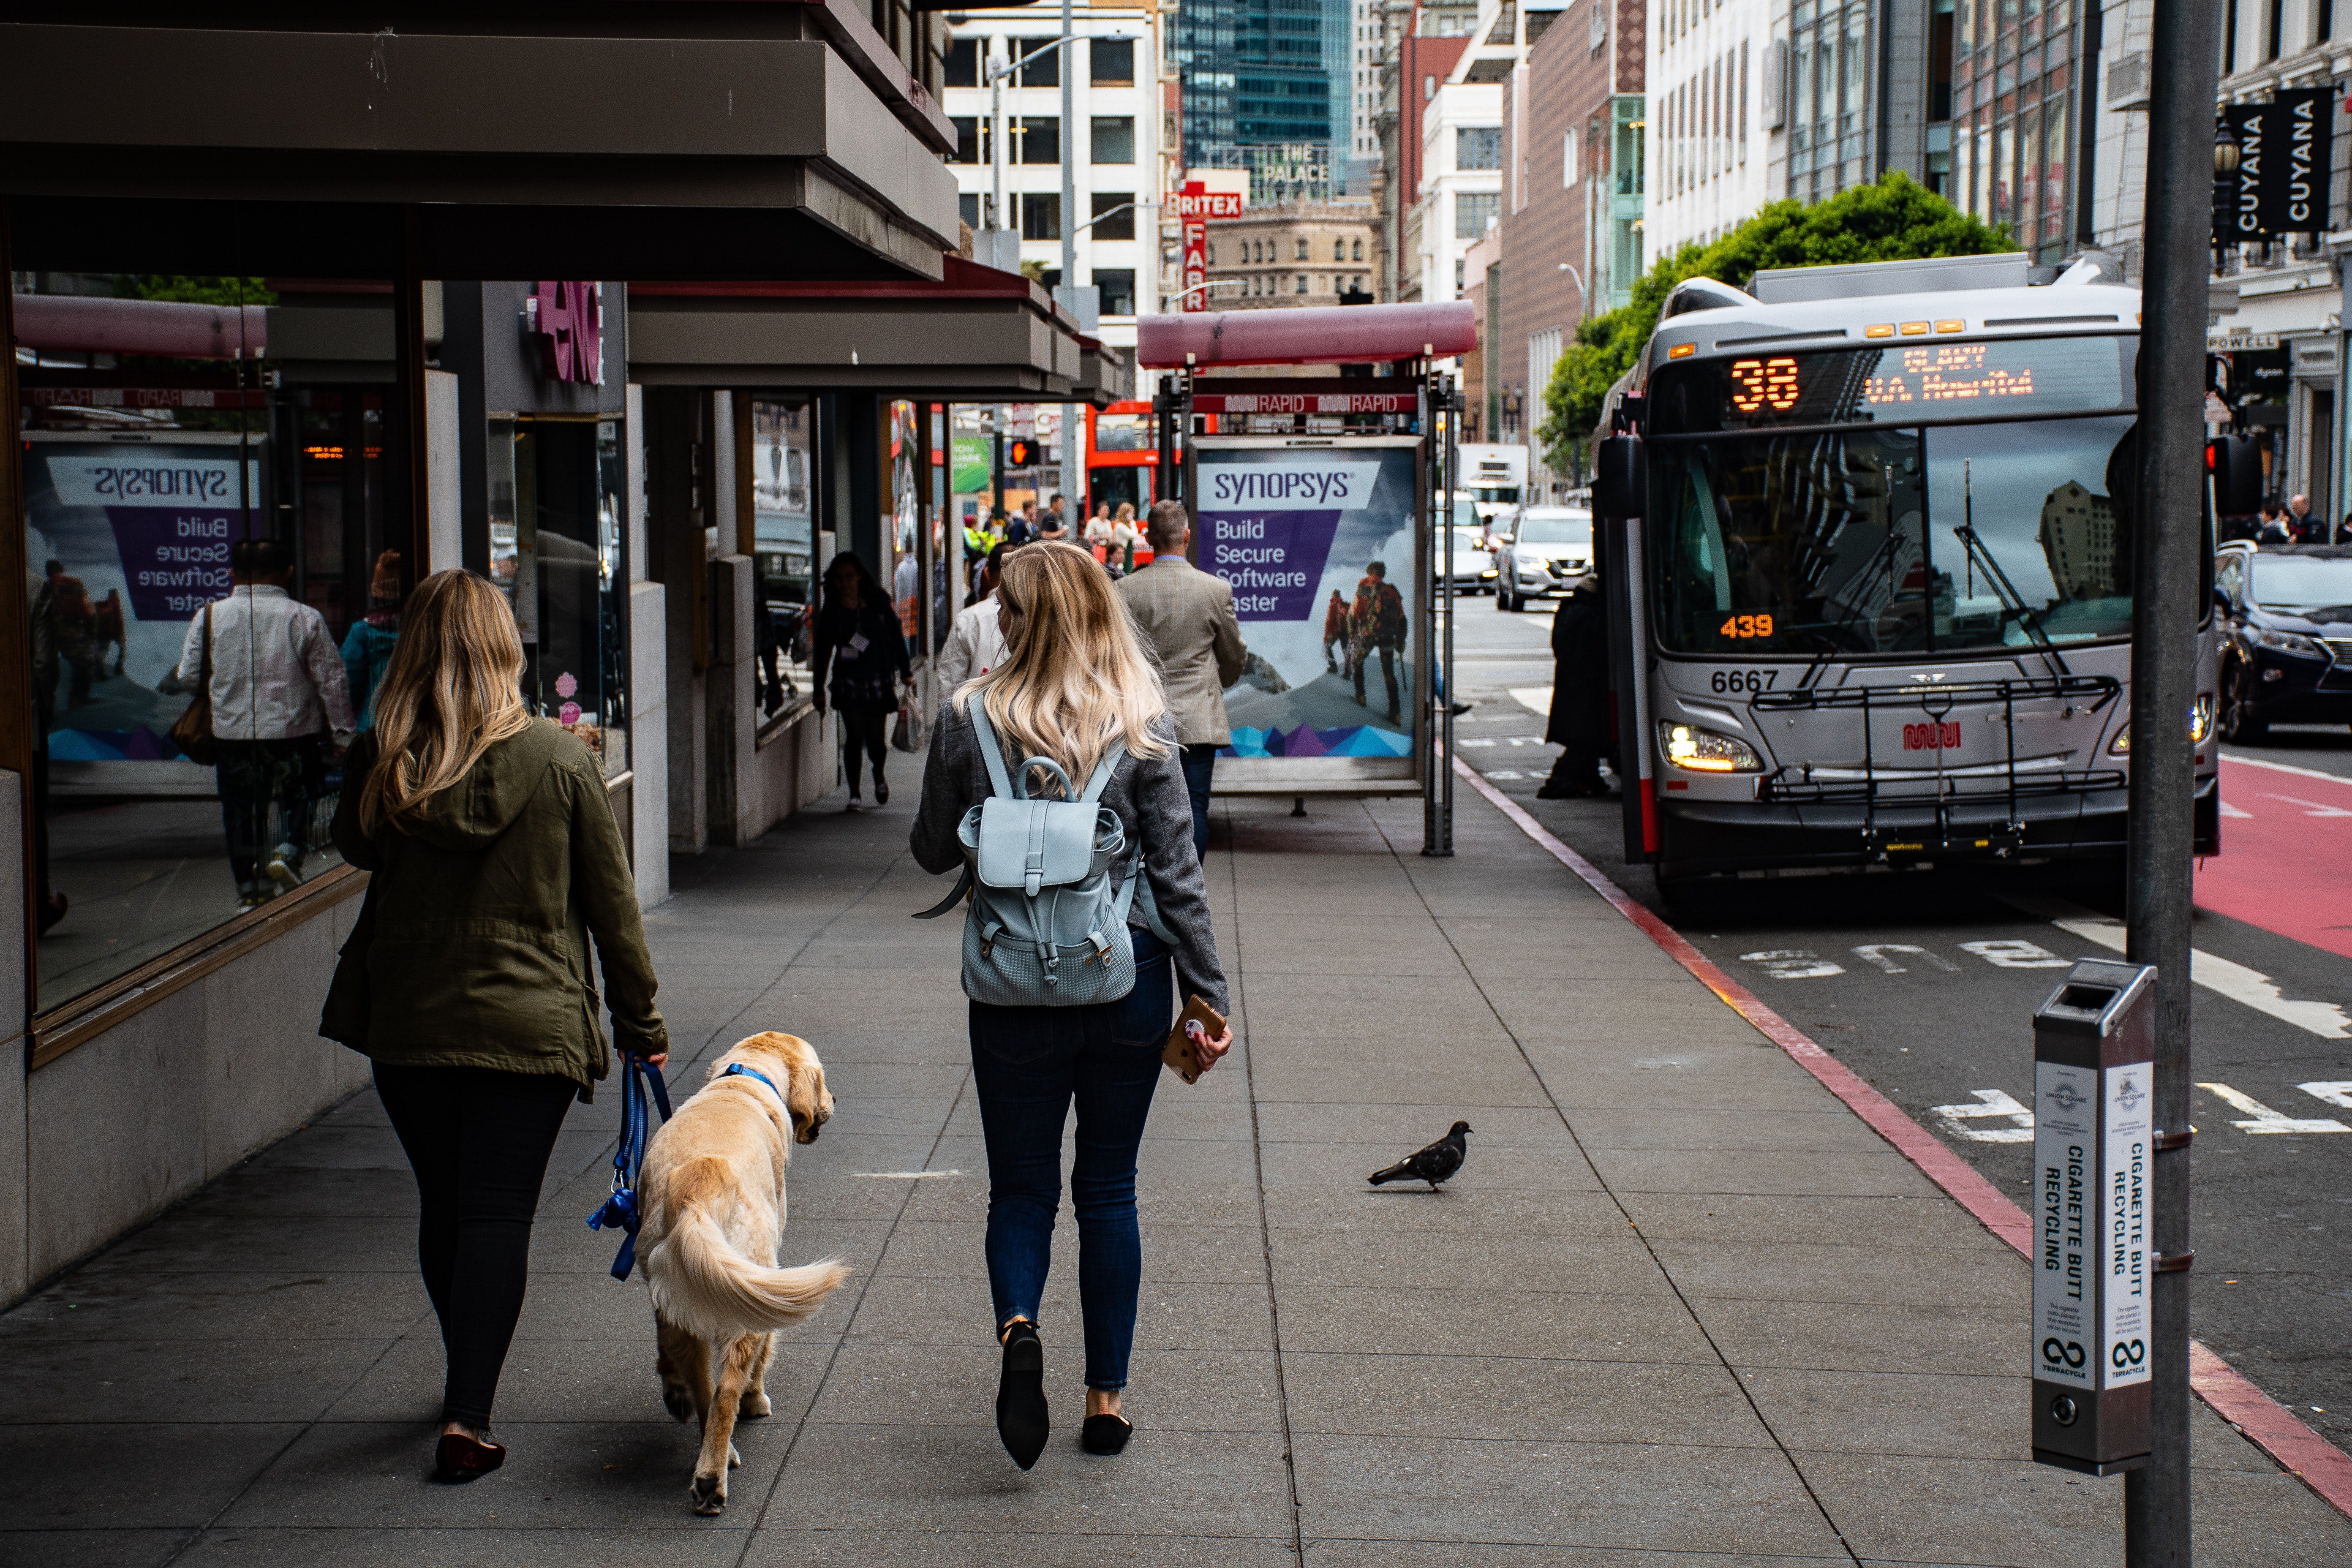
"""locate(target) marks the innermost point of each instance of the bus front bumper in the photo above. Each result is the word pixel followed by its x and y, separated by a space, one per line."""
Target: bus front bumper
pixel 1713 838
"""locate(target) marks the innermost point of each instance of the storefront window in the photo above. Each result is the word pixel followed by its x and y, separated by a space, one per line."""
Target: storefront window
pixel 783 517
pixel 184 472
pixel 556 547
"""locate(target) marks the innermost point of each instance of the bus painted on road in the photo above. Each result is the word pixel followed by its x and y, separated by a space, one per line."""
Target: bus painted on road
pixel 1867 535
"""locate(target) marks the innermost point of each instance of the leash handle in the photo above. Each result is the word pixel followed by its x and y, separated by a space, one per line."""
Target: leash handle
pixel 639 1076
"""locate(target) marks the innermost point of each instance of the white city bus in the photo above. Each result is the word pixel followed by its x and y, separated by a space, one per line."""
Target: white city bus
pixel 1867 536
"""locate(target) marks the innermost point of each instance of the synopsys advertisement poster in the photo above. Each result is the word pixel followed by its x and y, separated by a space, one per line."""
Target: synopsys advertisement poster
pixel 1317 539
pixel 126 544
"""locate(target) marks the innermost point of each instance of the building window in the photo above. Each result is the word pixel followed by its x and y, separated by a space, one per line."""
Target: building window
pixel 1568 170
pixel 1473 211
pixel 1045 69
pixel 967 207
pixel 963 63
pixel 1114 138
pixel 1113 60
pixel 1359 250
pixel 1040 215
pixel 1213 253
pixel 1302 248
pixel 1339 250
pixel 1114 216
pixel 968 139
pixel 1478 147
pixel 1302 283
pixel 1118 286
pixel 1037 139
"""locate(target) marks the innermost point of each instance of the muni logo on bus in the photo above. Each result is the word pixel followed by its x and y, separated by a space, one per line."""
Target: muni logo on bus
pixel 1932 736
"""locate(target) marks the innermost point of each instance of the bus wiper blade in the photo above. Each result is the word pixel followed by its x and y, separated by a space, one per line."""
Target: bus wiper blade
pixel 2010 597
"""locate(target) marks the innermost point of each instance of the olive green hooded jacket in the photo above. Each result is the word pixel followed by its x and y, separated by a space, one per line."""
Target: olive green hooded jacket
pixel 472 947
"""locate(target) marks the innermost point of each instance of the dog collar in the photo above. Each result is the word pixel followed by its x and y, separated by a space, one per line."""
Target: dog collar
pixel 737 1069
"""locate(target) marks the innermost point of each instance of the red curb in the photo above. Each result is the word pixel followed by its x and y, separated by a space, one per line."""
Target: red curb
pixel 2270 1425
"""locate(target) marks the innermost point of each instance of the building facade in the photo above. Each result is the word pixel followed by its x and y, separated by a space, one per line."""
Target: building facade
pixel 1706 141
pixel 1268 73
pixel 1011 142
pixel 1308 253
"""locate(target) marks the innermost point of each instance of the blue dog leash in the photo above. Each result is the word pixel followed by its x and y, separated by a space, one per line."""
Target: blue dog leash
pixel 638 1076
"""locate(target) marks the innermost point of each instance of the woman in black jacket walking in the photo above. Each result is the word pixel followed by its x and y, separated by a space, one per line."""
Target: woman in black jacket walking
pixel 858 637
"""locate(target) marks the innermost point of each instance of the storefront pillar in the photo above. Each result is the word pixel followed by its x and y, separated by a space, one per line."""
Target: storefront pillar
pixel 678 556
pixel 648 666
pixel 869 488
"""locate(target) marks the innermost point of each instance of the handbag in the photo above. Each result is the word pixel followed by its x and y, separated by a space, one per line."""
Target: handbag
pixel 907 731
pixel 192 731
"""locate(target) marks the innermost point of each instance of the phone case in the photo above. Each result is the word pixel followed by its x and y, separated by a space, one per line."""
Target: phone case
pixel 1177 1053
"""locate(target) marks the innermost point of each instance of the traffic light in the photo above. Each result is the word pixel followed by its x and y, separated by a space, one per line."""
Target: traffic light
pixel 1021 452
pixel 2234 464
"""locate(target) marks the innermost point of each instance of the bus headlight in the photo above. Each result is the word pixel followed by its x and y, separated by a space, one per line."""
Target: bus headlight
pixel 1698 751
pixel 2200 724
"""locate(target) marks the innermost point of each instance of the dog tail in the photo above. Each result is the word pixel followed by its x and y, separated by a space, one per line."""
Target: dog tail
pixel 703 1285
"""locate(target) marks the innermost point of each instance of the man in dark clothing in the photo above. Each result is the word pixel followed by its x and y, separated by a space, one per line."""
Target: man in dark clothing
pixel 1580 693
pixel 1377 624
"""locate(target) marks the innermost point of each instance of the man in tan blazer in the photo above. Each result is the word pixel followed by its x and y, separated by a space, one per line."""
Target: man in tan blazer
pixel 1186 618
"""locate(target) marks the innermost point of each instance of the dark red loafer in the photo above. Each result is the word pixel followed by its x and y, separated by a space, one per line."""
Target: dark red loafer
pixel 462 1459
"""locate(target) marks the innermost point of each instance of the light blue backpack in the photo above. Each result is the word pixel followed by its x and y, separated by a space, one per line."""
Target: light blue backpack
pixel 1045 929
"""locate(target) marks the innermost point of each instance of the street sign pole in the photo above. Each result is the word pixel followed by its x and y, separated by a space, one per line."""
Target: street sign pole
pixel 2167 528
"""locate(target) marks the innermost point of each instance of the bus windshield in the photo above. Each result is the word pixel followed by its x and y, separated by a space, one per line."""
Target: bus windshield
pixel 1892 541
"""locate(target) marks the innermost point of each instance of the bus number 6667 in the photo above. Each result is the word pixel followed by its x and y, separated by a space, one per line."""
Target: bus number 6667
pixel 1728 681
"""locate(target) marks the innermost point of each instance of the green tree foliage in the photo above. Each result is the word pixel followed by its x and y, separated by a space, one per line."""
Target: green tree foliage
pixel 1897 219
pixel 193 290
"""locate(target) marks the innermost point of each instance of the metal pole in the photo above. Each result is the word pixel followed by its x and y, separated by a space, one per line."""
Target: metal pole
pixel 1070 485
pixel 2168 529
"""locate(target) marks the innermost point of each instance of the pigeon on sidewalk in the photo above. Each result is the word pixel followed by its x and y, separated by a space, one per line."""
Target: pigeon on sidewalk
pixel 1436 1164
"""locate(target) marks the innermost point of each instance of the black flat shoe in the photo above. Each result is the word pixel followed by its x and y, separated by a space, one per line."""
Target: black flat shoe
pixel 461 1459
pixel 1105 1434
pixel 1021 1419
pixel 881 790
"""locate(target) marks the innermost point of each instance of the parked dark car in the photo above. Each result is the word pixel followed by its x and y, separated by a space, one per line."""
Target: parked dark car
pixel 2286 658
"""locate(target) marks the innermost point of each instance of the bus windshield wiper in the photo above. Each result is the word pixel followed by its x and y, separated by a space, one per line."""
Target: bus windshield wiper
pixel 2011 600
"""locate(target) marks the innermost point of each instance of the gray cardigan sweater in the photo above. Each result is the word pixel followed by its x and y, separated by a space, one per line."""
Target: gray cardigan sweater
pixel 1153 805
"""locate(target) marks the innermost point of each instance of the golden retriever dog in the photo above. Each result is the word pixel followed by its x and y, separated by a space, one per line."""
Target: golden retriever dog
pixel 712 1194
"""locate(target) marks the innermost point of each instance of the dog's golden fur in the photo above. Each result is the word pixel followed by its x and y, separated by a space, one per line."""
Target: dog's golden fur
pixel 712 1194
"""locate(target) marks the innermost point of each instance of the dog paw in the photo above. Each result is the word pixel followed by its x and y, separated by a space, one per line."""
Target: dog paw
pixel 680 1400
pixel 733 1457
pixel 755 1407
pixel 709 1494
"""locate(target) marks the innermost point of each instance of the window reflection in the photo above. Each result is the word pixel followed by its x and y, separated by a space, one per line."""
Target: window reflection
pixel 166 441
pixel 784 551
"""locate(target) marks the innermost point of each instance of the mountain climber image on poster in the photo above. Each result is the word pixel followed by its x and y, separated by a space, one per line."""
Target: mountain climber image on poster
pixel 1318 539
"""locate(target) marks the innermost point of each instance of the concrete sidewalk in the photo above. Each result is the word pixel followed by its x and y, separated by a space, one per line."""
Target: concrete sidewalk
pixel 1681 1306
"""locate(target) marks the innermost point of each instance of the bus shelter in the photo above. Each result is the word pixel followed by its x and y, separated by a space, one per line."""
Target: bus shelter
pixel 1314 493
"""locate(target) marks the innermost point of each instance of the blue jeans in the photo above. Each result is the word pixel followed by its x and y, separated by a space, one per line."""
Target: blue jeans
pixel 1027 1065
pixel 1200 766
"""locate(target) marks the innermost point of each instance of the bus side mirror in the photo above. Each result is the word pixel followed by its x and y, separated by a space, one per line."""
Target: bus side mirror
pixel 1618 489
pixel 2236 463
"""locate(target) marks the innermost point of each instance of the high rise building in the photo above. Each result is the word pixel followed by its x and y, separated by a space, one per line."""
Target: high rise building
pixel 1263 73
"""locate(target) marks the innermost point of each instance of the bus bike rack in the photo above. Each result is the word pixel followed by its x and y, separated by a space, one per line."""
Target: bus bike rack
pixel 1793 783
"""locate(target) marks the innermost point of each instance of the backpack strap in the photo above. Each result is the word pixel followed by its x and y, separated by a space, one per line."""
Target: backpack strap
pixel 1103 770
pixel 991 751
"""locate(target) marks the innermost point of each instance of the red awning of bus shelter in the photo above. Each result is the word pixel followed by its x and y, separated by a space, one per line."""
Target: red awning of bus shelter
pixel 1369 334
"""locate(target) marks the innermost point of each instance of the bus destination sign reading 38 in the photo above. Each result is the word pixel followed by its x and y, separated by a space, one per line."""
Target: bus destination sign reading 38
pixel 2012 378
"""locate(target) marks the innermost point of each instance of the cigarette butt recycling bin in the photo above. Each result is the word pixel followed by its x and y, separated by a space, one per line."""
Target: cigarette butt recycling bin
pixel 2093 1257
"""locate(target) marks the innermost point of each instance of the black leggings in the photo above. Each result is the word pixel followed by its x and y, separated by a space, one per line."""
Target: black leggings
pixel 479 1140
pixel 866 728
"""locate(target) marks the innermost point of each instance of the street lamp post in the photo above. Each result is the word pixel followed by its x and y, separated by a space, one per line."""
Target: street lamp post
pixel 2168 524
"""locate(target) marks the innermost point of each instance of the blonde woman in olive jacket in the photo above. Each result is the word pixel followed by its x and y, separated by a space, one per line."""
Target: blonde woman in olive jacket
pixel 494 859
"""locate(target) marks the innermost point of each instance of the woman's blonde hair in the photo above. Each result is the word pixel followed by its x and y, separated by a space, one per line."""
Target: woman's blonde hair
pixel 1074 677
pixel 1126 513
pixel 452 692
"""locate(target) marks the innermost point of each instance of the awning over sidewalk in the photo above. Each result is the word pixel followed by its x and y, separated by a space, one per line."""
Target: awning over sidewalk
pixel 975 335
pixel 798 137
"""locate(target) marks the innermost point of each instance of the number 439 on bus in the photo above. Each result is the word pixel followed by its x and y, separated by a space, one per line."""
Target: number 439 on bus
pixel 1746 627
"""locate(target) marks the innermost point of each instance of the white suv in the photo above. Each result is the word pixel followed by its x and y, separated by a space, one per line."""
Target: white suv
pixel 1544 550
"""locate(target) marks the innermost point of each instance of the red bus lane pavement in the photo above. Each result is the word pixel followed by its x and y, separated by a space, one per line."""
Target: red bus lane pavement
pixel 2286 853
pixel 2270 1425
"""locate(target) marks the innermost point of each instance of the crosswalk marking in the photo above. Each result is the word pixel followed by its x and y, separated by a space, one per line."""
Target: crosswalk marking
pixel 2265 1120
pixel 1994 1103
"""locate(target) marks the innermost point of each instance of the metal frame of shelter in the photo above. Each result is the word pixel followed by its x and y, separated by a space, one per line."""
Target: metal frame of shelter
pixel 1415 399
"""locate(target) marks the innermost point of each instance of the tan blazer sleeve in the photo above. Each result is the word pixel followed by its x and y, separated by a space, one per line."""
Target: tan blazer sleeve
pixel 1225 632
